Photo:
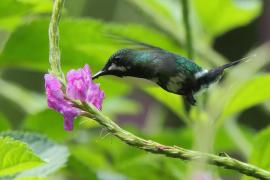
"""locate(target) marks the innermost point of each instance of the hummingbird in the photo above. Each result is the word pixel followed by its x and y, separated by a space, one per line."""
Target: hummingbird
pixel 172 72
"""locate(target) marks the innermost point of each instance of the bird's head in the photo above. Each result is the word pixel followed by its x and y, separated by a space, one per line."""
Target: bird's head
pixel 117 65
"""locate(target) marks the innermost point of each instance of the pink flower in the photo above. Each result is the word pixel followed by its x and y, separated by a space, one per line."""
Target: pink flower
pixel 79 87
pixel 78 83
pixel 95 96
pixel 57 101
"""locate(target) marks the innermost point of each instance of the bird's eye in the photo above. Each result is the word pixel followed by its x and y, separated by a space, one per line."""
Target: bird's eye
pixel 117 59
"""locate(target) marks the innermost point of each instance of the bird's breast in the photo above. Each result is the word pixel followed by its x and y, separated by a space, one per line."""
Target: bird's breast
pixel 175 83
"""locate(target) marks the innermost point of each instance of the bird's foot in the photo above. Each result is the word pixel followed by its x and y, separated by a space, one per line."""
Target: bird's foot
pixel 190 98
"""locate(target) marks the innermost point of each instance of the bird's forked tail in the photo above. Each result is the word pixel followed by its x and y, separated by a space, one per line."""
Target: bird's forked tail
pixel 234 63
pixel 215 74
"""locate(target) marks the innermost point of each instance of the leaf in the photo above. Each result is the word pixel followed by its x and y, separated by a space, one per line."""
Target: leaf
pixel 251 93
pixel 4 123
pixel 16 156
pixel 43 6
pixel 233 137
pixel 21 7
pixel 32 178
pixel 42 122
pixel 29 101
pixel 82 41
pixel 260 155
pixel 220 16
pixel 112 88
pixel 152 167
pixel 79 170
pixel 55 155
pixel 119 105
pixel 172 101
pixel 165 14
pixel 13 11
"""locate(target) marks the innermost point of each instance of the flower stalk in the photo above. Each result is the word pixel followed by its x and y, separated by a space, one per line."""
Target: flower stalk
pixel 188 30
pixel 54 54
pixel 91 111
pixel 175 151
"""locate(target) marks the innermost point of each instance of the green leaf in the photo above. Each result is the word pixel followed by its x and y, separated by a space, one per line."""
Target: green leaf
pixel 172 101
pixel 4 123
pixel 260 155
pixel 82 41
pixel 13 7
pixel 54 154
pixel 119 105
pixel 38 6
pixel 163 12
pixel 251 93
pixel 152 167
pixel 13 11
pixel 29 101
pixel 42 122
pixel 79 170
pixel 166 14
pixel 32 178
pixel 16 156
pixel 220 16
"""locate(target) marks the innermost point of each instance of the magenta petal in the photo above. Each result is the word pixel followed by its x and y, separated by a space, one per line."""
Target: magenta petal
pixel 69 116
pixel 56 100
pixel 78 83
pixel 55 96
pixel 95 96
pixel 81 87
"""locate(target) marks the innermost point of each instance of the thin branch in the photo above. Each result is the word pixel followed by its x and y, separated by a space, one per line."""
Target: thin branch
pixel 188 30
pixel 131 139
pixel 174 151
pixel 54 56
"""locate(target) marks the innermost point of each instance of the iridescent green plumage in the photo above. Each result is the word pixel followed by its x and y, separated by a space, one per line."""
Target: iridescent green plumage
pixel 170 71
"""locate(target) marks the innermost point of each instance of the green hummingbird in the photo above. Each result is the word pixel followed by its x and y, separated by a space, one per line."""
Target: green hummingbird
pixel 172 72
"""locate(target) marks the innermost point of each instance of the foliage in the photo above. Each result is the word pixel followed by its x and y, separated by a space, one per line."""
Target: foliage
pixel 260 153
pixel 16 156
pixel 94 154
pixel 54 156
pixel 228 14
pixel 246 91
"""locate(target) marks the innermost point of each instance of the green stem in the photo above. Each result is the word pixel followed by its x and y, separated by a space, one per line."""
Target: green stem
pixel 131 139
pixel 54 56
pixel 237 136
pixel 174 151
pixel 189 43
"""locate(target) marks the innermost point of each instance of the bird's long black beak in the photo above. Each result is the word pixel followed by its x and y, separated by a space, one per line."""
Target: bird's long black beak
pixel 100 73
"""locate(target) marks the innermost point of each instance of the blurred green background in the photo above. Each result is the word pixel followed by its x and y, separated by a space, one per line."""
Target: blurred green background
pixel 234 118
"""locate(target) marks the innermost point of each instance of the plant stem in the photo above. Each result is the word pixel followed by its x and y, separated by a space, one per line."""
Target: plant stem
pixel 54 56
pixel 188 30
pixel 174 151
pixel 237 136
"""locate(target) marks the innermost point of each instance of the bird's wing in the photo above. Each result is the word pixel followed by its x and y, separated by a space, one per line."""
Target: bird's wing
pixel 135 43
